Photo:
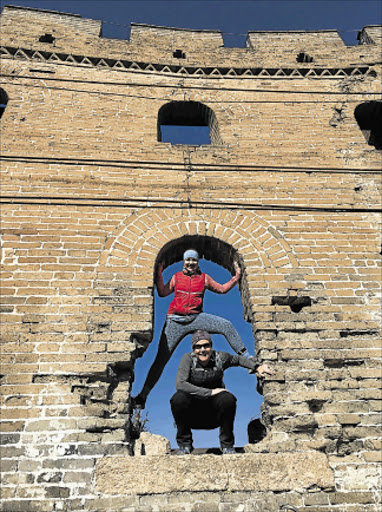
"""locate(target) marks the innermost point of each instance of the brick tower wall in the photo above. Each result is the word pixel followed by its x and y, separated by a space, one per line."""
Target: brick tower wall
pixel 92 201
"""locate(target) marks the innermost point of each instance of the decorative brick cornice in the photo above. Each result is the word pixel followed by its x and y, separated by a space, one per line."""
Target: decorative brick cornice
pixel 210 72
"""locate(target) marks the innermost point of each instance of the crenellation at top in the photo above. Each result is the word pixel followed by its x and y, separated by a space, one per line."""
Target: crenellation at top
pixel 172 38
pixel 371 34
pixel 25 26
pixel 295 40
pixel 43 30
pixel 27 23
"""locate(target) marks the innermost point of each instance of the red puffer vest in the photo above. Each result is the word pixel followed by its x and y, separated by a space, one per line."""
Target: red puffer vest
pixel 189 293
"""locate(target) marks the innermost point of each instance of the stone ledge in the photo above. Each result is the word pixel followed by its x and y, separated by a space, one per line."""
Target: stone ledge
pixel 185 71
pixel 159 474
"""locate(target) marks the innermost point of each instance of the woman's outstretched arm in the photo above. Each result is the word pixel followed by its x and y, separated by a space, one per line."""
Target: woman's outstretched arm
pixel 215 287
pixel 164 289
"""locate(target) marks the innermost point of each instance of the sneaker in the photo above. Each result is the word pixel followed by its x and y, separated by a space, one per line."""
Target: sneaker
pixel 228 451
pixel 138 402
pixel 184 450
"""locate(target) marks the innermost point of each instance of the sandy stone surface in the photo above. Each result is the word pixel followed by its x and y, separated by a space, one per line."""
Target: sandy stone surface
pixel 260 472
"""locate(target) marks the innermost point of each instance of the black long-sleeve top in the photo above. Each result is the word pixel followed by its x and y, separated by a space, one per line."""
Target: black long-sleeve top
pixel 198 380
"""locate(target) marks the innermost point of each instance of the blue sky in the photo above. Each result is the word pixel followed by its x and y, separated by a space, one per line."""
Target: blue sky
pixel 234 19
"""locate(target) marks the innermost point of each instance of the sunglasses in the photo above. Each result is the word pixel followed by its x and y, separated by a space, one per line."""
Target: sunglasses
pixel 203 345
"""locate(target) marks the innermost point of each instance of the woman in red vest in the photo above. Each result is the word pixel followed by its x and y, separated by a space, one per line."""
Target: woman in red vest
pixel 185 316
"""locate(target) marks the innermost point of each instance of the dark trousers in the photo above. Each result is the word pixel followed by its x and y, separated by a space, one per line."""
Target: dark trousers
pixel 190 412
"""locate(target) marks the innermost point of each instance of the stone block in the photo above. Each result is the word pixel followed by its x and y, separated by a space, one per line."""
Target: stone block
pixel 359 477
pixel 151 444
pixel 349 419
pixel 250 472
pixel 9 438
pixel 358 498
pixel 16 505
pixel 316 498
pixel 207 506
pixel 56 492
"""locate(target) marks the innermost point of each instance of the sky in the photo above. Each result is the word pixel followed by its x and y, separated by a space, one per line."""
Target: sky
pixel 234 19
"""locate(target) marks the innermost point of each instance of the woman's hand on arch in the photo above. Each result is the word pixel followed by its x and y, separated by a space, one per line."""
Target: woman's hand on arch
pixel 264 370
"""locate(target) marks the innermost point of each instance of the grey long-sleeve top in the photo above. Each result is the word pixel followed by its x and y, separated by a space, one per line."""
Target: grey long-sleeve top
pixel 197 380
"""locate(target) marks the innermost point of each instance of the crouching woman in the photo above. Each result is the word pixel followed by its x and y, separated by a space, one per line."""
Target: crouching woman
pixel 201 400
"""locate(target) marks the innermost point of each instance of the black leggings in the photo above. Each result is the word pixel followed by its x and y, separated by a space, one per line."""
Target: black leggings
pixel 204 413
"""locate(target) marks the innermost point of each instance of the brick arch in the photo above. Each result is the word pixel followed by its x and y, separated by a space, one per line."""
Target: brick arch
pixel 144 239
pixel 143 236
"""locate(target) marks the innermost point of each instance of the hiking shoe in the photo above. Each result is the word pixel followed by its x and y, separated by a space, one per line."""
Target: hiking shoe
pixel 184 450
pixel 228 451
pixel 138 402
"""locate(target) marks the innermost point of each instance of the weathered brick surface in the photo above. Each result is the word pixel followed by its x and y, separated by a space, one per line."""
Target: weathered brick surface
pixel 92 201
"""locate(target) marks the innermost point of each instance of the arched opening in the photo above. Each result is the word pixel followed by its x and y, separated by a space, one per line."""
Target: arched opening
pixel 187 122
pixel 217 259
pixel 369 118
pixel 3 101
